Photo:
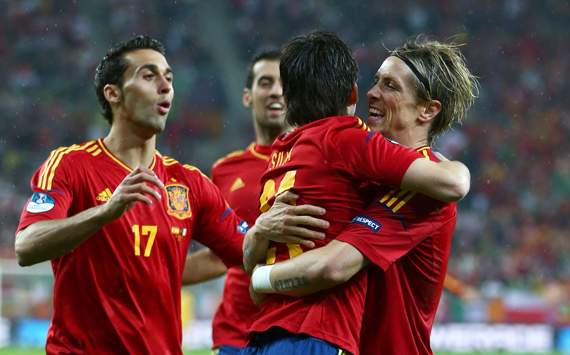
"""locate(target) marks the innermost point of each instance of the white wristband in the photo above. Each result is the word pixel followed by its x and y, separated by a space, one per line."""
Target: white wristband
pixel 260 280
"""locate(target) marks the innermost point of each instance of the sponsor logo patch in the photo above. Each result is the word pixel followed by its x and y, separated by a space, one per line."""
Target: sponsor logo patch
pixel 367 222
pixel 178 202
pixel 40 202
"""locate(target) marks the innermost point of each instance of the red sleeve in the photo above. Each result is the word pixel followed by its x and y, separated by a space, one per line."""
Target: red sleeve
pixel 52 191
pixel 384 237
pixel 370 156
pixel 218 227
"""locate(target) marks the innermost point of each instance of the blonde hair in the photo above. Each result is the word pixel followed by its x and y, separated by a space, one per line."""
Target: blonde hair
pixel 442 68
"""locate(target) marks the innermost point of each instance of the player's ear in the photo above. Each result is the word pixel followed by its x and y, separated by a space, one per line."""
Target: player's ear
pixel 246 98
pixel 429 110
pixel 112 93
pixel 353 98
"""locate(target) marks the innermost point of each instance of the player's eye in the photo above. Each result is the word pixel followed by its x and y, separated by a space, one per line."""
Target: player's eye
pixel 148 76
pixel 390 85
pixel 265 83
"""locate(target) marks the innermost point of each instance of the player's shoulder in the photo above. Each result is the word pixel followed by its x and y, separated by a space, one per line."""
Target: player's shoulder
pixel 176 169
pixel 427 153
pixel 231 157
pixel 346 122
pixel 328 130
pixel 75 152
pixel 346 126
pixel 341 131
pixel 66 161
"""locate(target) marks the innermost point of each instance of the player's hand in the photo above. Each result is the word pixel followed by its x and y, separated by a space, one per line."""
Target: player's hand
pixel 141 185
pixel 286 223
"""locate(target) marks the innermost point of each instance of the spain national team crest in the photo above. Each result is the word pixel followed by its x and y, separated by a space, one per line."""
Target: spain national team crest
pixel 178 201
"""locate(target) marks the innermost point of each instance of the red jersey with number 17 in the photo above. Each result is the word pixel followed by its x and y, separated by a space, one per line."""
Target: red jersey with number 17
pixel 119 291
pixel 325 163
pixel 238 176
pixel 407 236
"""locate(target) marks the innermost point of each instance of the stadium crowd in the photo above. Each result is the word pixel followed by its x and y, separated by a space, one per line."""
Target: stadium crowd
pixel 513 228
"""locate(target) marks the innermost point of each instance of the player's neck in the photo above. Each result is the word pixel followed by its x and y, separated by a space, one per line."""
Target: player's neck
pixel 131 149
pixel 266 136
pixel 409 138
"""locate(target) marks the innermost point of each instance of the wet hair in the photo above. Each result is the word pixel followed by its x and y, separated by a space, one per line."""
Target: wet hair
pixel 113 65
pixel 270 54
pixel 318 72
pixel 440 73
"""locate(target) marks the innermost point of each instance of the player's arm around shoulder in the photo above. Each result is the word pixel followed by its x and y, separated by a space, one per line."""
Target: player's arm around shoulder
pixel 447 181
pixel 52 238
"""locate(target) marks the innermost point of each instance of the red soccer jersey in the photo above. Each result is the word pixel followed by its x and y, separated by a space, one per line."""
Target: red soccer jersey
pixel 326 162
pixel 238 177
pixel 408 238
pixel 119 291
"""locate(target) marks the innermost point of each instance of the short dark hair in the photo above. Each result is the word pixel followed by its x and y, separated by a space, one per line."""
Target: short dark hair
pixel 113 65
pixel 271 54
pixel 318 72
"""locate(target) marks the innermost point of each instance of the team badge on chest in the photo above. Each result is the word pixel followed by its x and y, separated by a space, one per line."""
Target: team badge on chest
pixel 178 202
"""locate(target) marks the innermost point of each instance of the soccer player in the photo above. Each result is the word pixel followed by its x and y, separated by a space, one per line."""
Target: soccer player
pixel 327 160
pixel 115 218
pixel 238 177
pixel 406 236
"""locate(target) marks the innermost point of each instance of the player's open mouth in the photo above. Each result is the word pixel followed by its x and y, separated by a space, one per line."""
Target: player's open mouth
pixel 375 113
pixel 164 107
pixel 276 106
pixel 275 109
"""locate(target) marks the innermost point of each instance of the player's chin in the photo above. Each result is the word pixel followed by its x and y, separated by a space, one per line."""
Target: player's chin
pixel 275 114
pixel 375 123
pixel 158 124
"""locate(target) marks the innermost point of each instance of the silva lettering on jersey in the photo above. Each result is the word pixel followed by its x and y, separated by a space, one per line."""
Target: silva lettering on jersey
pixel 279 158
pixel 367 222
pixel 40 202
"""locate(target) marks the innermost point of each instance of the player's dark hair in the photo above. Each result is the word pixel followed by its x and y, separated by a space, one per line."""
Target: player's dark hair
pixel 113 65
pixel 270 54
pixel 318 72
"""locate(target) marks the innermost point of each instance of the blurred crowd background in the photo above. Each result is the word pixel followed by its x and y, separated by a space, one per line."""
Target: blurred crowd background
pixel 512 242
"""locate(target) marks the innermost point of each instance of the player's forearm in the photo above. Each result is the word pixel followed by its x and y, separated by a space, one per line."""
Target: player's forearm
pixel 446 181
pixel 254 249
pixel 300 276
pixel 46 240
pixel 202 266
pixel 314 271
